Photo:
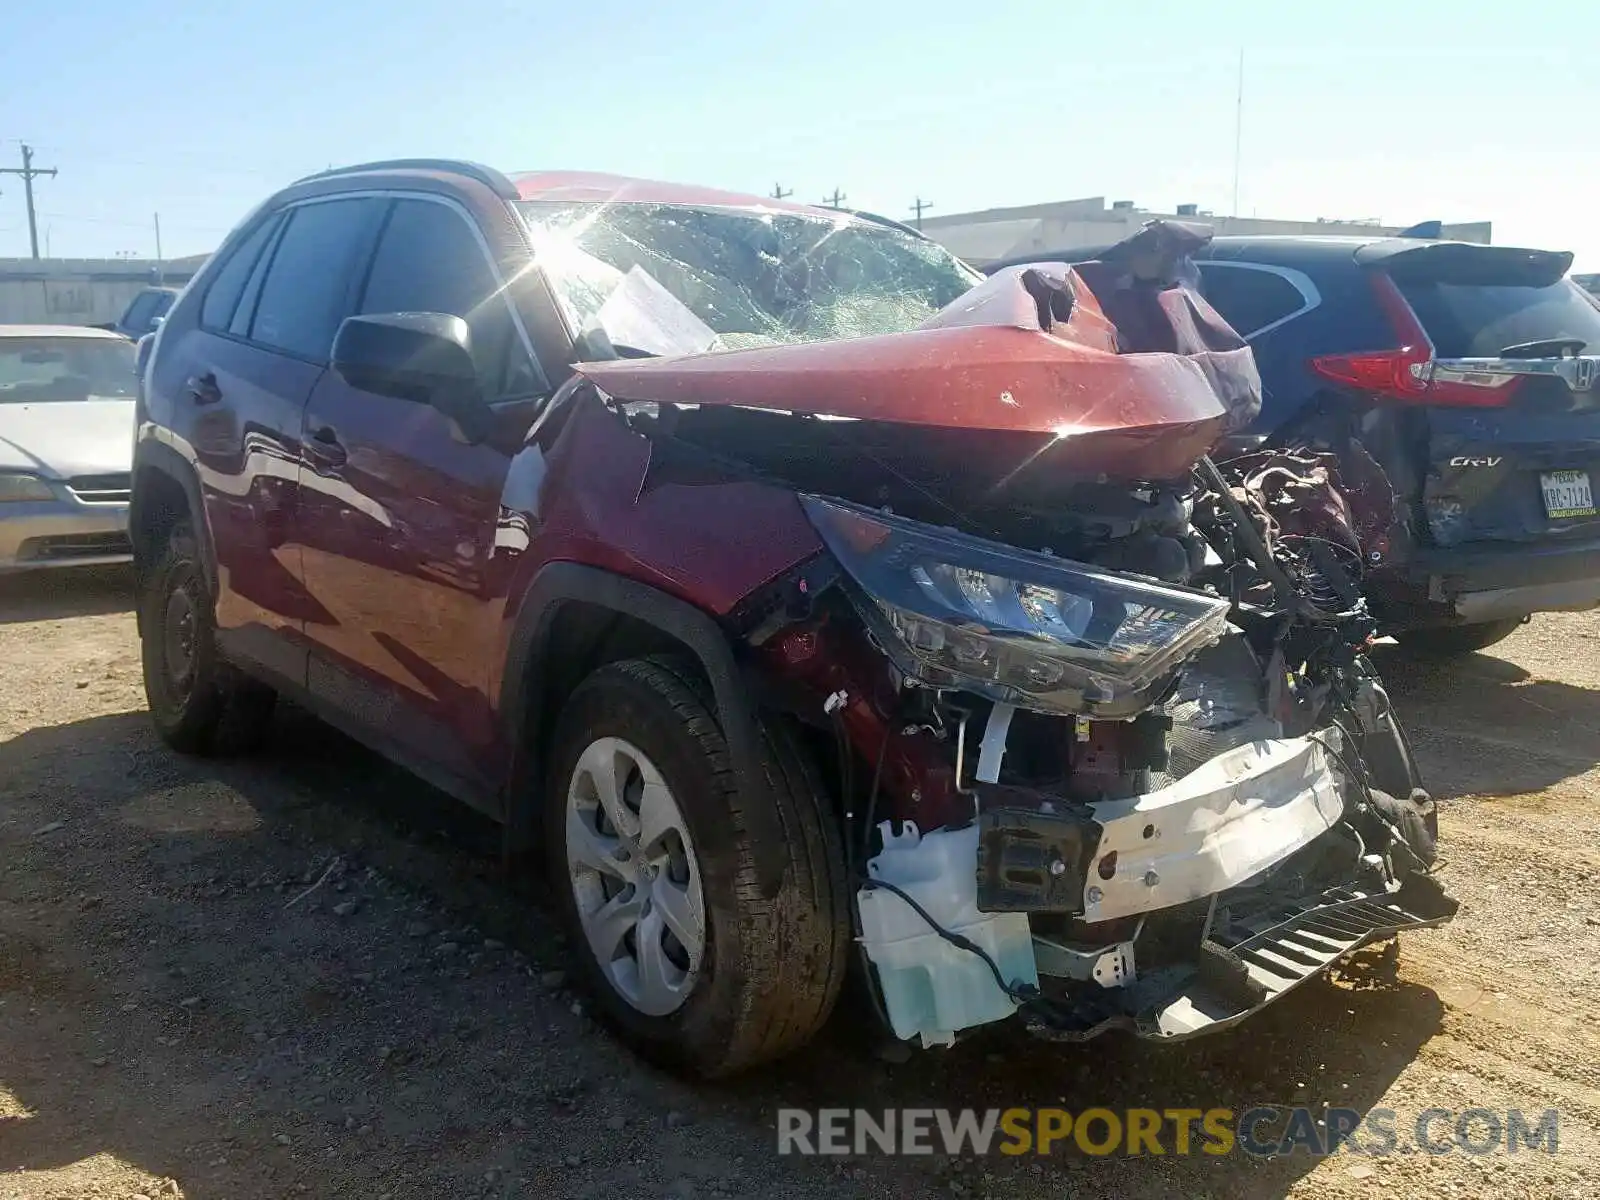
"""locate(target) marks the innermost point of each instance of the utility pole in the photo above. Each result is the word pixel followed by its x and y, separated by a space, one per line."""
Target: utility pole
pixel 920 207
pixel 160 270
pixel 28 171
pixel 1238 132
pixel 778 192
pixel 835 200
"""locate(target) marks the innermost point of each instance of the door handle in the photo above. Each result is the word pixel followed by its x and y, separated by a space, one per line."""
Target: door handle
pixel 324 445
pixel 203 389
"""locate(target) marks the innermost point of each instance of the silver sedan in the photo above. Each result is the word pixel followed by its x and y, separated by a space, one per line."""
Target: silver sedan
pixel 66 446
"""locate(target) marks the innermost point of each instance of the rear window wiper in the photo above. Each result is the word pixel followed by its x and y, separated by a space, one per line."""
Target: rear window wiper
pixel 1547 348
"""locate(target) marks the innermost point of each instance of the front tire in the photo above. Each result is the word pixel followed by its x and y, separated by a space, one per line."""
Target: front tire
pixel 199 703
pixel 655 881
pixel 1451 641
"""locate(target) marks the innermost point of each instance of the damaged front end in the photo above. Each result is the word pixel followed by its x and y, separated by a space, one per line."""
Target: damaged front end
pixel 1109 750
pixel 1112 802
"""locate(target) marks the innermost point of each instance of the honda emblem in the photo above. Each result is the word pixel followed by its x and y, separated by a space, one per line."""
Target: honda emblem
pixel 1583 376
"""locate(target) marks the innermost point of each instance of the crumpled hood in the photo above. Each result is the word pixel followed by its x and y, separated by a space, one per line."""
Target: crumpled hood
pixel 67 438
pixel 1029 350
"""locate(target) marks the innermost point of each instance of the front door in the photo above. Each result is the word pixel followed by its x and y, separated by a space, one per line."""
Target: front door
pixel 399 513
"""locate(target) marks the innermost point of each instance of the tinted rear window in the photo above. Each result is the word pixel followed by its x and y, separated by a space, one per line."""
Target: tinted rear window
pixel 1472 321
pixel 306 290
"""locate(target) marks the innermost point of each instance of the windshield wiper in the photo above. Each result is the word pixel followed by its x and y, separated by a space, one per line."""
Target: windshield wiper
pixel 1547 348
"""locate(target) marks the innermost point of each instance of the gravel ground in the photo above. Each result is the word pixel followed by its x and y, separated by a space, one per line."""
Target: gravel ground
pixel 303 974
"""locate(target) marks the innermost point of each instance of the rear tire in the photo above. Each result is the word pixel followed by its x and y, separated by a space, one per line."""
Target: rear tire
pixel 765 973
pixel 200 704
pixel 1448 641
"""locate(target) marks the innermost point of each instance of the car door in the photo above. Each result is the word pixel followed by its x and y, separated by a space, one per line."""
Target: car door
pixel 234 385
pixel 401 513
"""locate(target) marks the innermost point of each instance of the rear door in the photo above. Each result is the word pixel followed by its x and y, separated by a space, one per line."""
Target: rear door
pixel 1511 425
pixel 231 384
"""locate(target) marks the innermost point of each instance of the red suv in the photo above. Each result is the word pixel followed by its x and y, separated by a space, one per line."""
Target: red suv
pixel 809 601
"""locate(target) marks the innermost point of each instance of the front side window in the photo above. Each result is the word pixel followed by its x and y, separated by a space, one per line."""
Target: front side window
pixel 664 279
pixel 428 260
pixel 36 370
pixel 306 291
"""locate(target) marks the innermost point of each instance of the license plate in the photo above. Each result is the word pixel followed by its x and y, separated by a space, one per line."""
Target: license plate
pixel 1567 494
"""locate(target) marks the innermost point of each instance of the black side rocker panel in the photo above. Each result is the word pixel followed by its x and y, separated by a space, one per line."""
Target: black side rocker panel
pixel 522 699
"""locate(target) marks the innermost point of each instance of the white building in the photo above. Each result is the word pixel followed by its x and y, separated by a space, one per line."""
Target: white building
pixel 81 291
pixel 1001 233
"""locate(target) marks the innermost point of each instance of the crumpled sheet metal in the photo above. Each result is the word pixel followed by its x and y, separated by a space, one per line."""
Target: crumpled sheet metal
pixel 1030 349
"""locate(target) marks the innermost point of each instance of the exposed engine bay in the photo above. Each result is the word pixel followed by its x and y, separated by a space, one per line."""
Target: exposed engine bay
pixel 1165 844
pixel 1109 749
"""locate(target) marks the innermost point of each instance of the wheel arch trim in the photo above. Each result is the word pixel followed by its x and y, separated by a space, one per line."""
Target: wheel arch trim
pixel 523 702
pixel 151 455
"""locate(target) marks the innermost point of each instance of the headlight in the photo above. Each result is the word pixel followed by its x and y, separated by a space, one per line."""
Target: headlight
pixel 962 612
pixel 24 487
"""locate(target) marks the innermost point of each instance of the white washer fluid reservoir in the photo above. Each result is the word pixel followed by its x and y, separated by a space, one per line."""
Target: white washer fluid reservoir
pixel 932 989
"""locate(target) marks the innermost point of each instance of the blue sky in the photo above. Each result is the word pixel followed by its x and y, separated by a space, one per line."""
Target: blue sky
pixel 1391 110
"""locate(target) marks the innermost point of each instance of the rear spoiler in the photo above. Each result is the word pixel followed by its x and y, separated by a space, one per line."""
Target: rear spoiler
pixel 1465 263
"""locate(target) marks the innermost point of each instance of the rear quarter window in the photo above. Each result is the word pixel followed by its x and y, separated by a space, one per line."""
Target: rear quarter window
pixel 227 285
pixel 1478 321
pixel 1249 298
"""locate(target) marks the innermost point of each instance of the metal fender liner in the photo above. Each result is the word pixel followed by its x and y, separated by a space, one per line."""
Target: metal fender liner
pixel 522 700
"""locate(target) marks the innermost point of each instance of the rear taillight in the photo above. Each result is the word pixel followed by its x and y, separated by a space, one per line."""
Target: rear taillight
pixel 1407 373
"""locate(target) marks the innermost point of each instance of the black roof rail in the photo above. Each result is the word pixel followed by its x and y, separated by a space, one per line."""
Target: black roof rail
pixel 488 176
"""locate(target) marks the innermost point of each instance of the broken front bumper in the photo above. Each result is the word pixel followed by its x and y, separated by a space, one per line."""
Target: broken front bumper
pixel 1172 913
pixel 1242 965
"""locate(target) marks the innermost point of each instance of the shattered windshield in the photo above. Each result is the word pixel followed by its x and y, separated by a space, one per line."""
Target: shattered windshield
pixel 681 279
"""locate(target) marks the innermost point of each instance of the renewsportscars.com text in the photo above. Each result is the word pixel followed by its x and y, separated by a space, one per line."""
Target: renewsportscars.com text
pixel 1262 1131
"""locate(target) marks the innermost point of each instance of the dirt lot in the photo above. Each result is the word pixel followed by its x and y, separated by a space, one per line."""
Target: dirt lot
pixel 179 1016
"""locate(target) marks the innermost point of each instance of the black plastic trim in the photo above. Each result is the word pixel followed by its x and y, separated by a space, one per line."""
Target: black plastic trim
pixel 1511 566
pixel 159 456
pixel 522 700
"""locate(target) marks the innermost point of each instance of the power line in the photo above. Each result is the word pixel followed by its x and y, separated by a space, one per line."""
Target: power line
pixel 1238 133
pixel 28 171
pixel 184 225
pixel 199 163
pixel 778 192
pixel 835 200
pixel 920 207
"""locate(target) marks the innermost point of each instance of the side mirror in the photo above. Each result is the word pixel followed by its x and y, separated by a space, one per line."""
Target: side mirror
pixel 155 323
pixel 425 358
